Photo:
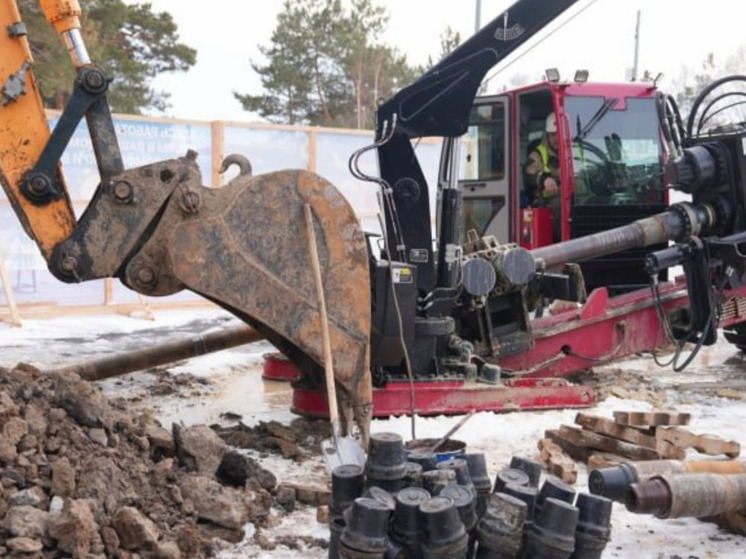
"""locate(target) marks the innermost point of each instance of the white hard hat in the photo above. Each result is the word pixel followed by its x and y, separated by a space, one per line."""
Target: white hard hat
pixel 551 124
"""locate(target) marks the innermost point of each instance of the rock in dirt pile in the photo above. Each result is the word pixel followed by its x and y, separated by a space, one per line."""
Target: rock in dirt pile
pixel 82 477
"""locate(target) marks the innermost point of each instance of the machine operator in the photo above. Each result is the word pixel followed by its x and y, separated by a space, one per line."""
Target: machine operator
pixel 542 170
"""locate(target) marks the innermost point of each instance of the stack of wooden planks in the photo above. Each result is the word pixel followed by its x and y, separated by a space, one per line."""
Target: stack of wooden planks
pixel 601 441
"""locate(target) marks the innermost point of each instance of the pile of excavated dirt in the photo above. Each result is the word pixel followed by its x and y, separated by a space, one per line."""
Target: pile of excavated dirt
pixel 82 477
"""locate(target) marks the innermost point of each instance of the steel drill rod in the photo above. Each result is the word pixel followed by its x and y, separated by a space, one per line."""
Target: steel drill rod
pixel 614 481
pixel 656 229
pixel 169 352
pixel 688 495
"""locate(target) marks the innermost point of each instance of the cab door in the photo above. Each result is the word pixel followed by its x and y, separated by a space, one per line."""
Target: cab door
pixel 482 174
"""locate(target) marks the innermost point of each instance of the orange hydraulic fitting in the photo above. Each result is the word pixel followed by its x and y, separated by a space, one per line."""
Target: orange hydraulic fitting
pixel 64 15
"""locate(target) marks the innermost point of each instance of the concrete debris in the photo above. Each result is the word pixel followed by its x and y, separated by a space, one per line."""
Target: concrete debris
pixel 198 448
pixel 286 497
pixel 134 529
pixel 26 522
pixel 211 501
pixel 24 545
pixel 75 530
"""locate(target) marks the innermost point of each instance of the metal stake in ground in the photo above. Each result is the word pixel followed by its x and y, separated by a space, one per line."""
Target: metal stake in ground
pixel 450 433
pixel 339 450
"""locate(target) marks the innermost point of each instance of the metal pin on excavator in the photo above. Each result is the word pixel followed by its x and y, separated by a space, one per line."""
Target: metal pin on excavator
pixel 454 318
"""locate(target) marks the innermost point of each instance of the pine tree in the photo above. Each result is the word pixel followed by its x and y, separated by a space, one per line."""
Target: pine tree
pixel 327 66
pixel 130 43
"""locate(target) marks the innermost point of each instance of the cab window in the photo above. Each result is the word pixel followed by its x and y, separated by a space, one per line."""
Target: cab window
pixel 483 145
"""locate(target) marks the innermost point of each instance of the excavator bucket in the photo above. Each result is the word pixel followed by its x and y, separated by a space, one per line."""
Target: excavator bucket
pixel 158 229
pixel 245 247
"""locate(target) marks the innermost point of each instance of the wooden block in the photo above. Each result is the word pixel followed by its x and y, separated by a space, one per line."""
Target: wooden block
pixel 588 439
pixel 599 460
pixel 310 494
pixel 322 514
pixel 579 453
pixel 711 445
pixel 645 419
pixel 558 463
pixel 605 426
pixel 567 474
pixel 549 449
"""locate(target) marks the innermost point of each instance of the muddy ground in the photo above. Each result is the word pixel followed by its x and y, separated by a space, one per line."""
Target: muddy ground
pixel 167 441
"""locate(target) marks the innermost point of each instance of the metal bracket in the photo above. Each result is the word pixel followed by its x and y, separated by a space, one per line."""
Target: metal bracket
pixel 15 86
pixel 17 29
pixel 88 100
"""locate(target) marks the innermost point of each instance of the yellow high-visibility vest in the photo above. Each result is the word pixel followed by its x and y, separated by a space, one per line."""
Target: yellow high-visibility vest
pixel 544 152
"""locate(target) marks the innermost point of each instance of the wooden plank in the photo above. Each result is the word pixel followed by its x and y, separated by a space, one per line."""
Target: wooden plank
pixel 606 426
pixel 577 453
pixel 646 419
pixel 711 445
pixel 594 459
pixel 15 317
pixel 145 312
pixel 558 463
pixel 312 150
pixel 108 291
pixel 217 134
pixel 589 439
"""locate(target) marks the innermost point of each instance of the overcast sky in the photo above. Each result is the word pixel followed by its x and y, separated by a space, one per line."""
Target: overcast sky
pixel 600 37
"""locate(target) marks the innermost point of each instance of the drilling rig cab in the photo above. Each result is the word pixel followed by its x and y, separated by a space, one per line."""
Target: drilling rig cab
pixel 611 162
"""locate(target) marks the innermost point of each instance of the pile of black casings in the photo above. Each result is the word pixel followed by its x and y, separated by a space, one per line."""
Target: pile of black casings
pixel 411 505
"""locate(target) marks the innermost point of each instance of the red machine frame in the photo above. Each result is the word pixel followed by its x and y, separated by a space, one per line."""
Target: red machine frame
pixel 601 331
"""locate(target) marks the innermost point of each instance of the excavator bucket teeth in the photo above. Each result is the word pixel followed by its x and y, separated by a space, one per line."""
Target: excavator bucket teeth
pixel 246 249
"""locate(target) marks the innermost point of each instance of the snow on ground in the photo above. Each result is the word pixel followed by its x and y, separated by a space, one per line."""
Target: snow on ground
pixel 235 385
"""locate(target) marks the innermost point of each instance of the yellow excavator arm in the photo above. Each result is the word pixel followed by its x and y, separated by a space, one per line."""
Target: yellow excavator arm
pixel 243 246
pixel 24 132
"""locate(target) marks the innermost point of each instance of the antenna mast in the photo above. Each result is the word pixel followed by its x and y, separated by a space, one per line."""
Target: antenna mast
pixel 637 47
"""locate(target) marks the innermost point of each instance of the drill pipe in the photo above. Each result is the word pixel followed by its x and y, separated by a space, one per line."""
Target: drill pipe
pixel 128 362
pixel 656 229
pixel 614 481
pixel 688 495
